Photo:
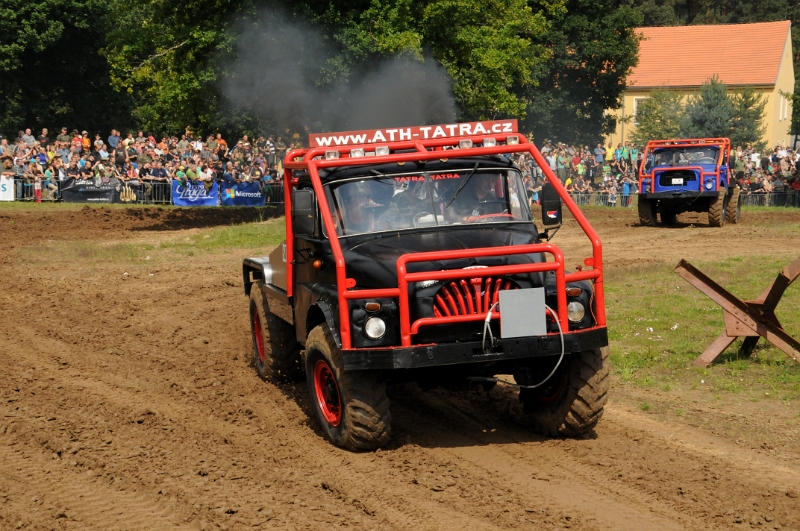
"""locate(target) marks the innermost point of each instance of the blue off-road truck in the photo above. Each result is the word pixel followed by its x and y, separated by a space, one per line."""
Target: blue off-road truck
pixel 689 175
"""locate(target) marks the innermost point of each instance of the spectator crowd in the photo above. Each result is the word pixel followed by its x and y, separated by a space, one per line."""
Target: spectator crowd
pixel 40 163
pixel 607 175
pixel 599 175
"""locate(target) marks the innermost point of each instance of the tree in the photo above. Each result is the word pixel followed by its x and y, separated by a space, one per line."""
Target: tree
pixel 593 47
pixel 708 114
pixel 747 122
pixel 659 117
pixel 491 51
pixel 161 53
pixel 51 74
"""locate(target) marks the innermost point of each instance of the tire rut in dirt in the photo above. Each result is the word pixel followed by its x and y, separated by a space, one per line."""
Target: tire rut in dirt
pixel 73 495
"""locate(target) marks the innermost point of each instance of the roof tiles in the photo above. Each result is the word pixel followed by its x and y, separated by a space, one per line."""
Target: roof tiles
pixel 686 56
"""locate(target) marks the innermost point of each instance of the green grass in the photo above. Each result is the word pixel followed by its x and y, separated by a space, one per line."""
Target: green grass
pixel 266 235
pixel 658 324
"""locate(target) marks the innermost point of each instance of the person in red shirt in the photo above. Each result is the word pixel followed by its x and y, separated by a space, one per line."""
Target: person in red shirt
pixel 77 141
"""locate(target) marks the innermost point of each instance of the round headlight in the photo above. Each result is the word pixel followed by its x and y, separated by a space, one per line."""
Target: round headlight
pixel 575 311
pixel 709 184
pixel 375 327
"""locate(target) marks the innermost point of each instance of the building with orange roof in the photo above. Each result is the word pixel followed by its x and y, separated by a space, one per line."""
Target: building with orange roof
pixel 682 58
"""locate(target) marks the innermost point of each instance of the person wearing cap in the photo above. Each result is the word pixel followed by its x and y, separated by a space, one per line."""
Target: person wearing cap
pixel 87 142
pixel 63 136
pixel 180 175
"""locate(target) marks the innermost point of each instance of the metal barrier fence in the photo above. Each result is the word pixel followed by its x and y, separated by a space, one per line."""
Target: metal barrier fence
pixel 160 193
pixel 790 199
pixel 149 192
pixel 606 200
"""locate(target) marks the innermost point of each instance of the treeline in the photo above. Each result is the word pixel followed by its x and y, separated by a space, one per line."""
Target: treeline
pixel 161 65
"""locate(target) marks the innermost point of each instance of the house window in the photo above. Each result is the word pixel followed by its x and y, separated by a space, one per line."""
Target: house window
pixel 636 102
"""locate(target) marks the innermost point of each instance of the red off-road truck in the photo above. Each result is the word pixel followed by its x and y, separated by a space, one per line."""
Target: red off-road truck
pixel 411 254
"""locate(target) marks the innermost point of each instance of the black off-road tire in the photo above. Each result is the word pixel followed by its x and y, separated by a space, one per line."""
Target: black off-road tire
pixel 647 212
pixel 716 210
pixel 276 352
pixel 733 213
pixel 364 421
pixel 573 405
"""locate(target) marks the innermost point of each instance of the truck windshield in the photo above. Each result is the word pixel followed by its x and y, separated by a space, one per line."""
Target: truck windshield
pixel 395 202
pixel 686 156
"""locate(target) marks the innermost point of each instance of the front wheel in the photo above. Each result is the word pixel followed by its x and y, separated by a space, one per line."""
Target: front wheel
pixel 716 210
pixel 572 403
pixel 352 407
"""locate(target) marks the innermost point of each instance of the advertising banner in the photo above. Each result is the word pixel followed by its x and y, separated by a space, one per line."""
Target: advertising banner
pixel 423 132
pixel 97 191
pixel 6 189
pixel 194 194
pixel 242 194
pixel 89 191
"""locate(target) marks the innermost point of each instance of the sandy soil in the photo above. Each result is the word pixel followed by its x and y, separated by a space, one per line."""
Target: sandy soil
pixel 128 402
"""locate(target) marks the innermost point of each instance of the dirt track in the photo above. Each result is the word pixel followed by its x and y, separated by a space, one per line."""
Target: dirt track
pixel 128 403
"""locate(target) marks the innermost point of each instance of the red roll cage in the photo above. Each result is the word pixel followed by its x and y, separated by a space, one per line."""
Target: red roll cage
pixel 313 159
pixel 724 155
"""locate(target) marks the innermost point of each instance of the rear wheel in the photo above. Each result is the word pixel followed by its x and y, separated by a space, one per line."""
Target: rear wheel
pixel 276 353
pixel 733 212
pixel 352 407
pixel 647 212
pixel 571 403
pixel 716 210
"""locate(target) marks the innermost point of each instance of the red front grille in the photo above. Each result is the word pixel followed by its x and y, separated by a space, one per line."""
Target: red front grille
pixel 469 296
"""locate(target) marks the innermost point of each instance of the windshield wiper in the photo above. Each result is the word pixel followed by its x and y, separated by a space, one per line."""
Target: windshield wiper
pixel 462 185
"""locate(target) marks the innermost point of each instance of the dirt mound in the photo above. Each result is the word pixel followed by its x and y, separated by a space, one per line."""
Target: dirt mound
pixel 95 223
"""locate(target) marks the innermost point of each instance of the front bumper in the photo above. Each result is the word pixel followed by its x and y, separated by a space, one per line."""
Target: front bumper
pixel 472 352
pixel 682 194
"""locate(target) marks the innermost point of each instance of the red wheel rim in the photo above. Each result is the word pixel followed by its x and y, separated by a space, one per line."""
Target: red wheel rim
pixel 327 392
pixel 551 392
pixel 257 336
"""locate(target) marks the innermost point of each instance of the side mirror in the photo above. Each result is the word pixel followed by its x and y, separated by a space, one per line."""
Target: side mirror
pixel 551 206
pixel 304 212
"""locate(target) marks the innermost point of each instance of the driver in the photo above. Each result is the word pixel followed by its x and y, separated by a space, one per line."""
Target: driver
pixel 357 209
pixel 476 197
